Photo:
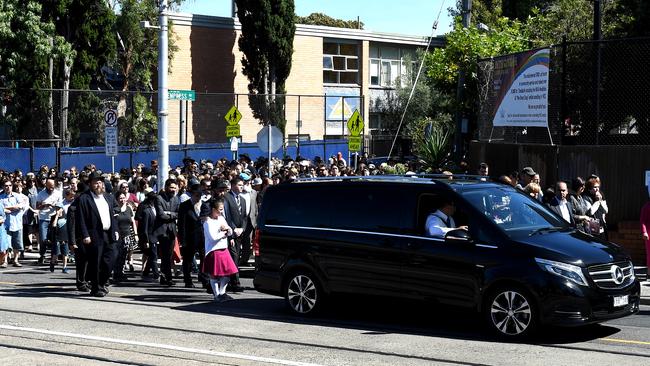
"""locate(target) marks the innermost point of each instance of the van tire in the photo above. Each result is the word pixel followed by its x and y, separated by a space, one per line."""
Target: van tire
pixel 511 312
pixel 303 293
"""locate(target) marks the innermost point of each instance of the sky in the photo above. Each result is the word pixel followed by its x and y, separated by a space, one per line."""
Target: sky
pixel 412 17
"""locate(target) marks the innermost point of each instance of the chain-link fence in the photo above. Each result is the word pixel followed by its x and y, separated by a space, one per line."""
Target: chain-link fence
pixel 70 125
pixel 598 94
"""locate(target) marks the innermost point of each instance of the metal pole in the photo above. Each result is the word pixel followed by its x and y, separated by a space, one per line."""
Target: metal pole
pixel 299 125
pixel 269 148
pixel 460 90
pixel 181 125
pixel 187 115
pixel 163 142
pixel 597 66
pixel 112 164
pixel 325 128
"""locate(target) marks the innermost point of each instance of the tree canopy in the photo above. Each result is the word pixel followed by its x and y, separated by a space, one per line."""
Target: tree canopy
pixel 328 21
pixel 268 28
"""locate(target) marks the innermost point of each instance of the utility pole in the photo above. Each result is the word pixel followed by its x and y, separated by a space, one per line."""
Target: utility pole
pixel 460 91
pixel 163 142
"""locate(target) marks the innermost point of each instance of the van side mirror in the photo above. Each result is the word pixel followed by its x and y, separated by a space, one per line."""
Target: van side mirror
pixel 458 236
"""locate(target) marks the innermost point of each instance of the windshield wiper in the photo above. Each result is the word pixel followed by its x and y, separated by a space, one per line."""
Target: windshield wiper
pixel 549 229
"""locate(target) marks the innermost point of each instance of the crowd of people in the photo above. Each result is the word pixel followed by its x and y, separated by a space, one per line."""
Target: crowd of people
pixel 205 213
pixel 98 220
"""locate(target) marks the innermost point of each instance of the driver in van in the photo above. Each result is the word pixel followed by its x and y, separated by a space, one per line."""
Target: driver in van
pixel 441 222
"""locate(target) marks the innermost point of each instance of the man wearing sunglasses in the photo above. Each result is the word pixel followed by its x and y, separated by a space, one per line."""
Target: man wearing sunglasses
pixel 16 204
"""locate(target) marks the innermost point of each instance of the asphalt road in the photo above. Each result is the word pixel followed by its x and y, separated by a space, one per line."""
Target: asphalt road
pixel 45 321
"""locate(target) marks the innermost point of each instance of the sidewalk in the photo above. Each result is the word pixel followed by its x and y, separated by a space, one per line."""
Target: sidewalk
pixel 645 293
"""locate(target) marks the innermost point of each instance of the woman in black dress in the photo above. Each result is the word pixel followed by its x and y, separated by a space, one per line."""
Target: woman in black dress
pixel 128 238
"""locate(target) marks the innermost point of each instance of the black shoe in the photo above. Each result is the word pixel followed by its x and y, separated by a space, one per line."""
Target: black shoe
pixel 236 289
pixel 168 283
pixel 41 260
pixel 226 297
pixel 98 293
pixel 209 290
pixel 189 285
pixel 51 266
pixel 83 288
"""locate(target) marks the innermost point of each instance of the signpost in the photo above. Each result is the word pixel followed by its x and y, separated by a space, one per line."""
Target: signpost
pixel 355 127
pixel 110 135
pixel 270 139
pixel 232 118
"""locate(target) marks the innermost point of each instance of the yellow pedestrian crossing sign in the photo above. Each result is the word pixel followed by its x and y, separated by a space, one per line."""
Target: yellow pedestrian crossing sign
pixel 233 116
pixel 355 124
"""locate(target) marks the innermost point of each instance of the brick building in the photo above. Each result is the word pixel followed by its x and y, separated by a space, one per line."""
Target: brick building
pixel 334 71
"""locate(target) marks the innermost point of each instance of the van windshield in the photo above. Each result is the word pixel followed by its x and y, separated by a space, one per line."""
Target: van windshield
pixel 514 212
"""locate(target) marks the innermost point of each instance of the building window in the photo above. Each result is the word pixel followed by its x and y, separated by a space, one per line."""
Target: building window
pixel 387 64
pixel 375 121
pixel 340 63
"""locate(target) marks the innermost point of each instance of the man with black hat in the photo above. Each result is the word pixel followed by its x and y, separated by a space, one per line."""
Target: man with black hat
pixel 190 230
pixel 97 228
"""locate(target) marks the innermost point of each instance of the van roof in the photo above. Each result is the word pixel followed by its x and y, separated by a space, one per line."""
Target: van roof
pixel 437 179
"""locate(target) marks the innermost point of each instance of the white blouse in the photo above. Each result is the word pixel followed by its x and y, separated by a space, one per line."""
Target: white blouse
pixel 215 238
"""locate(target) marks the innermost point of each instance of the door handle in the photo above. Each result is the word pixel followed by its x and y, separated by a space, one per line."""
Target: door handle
pixel 413 246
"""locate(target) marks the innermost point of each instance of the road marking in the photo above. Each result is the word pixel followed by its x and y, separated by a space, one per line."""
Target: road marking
pixel 9 283
pixel 626 341
pixel 16 270
pixel 161 346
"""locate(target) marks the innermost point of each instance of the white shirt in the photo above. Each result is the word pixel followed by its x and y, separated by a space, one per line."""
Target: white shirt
pixel 564 210
pixel 436 225
pixel 247 199
pixel 215 238
pixel 104 211
pixel 52 199
pixel 184 197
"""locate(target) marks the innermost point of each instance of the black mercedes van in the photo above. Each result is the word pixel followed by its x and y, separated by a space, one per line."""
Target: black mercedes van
pixel 518 263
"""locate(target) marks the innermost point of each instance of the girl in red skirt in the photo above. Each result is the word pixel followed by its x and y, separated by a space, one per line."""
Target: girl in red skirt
pixel 218 264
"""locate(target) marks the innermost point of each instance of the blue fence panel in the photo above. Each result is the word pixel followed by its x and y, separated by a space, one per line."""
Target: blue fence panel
pixel 43 155
pixel 20 158
pixel 12 159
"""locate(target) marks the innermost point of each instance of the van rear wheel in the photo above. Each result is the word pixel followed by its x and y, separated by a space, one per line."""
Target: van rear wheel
pixel 511 313
pixel 303 293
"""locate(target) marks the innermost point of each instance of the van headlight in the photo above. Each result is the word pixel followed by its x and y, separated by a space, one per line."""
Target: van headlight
pixel 564 270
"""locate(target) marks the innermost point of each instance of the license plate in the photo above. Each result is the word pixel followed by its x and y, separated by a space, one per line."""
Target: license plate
pixel 620 300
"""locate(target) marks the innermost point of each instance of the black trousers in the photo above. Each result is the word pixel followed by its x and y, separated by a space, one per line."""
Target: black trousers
pixel 152 261
pixel 188 251
pixel 246 249
pixel 166 247
pixel 81 264
pixel 234 254
pixel 100 262
pixel 120 259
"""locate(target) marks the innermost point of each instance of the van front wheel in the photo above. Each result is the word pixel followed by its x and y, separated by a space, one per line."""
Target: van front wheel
pixel 511 313
pixel 302 293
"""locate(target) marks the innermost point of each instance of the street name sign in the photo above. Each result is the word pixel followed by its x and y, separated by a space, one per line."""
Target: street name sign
pixel 173 94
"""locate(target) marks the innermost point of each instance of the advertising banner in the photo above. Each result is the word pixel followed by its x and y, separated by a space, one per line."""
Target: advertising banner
pixel 521 85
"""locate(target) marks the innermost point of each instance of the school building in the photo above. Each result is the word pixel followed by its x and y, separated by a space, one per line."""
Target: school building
pixel 334 71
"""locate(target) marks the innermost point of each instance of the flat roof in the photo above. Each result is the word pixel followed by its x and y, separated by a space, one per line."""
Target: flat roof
pixel 207 21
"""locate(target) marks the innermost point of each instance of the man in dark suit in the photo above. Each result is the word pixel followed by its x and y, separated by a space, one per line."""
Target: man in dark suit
pixel 165 229
pixel 236 218
pixel 560 205
pixel 97 228
pixel 190 230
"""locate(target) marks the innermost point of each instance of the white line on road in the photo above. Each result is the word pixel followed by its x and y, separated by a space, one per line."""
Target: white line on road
pixel 161 346
pixel 16 270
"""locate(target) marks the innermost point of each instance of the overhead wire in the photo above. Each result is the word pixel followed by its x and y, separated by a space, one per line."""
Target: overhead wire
pixel 434 28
